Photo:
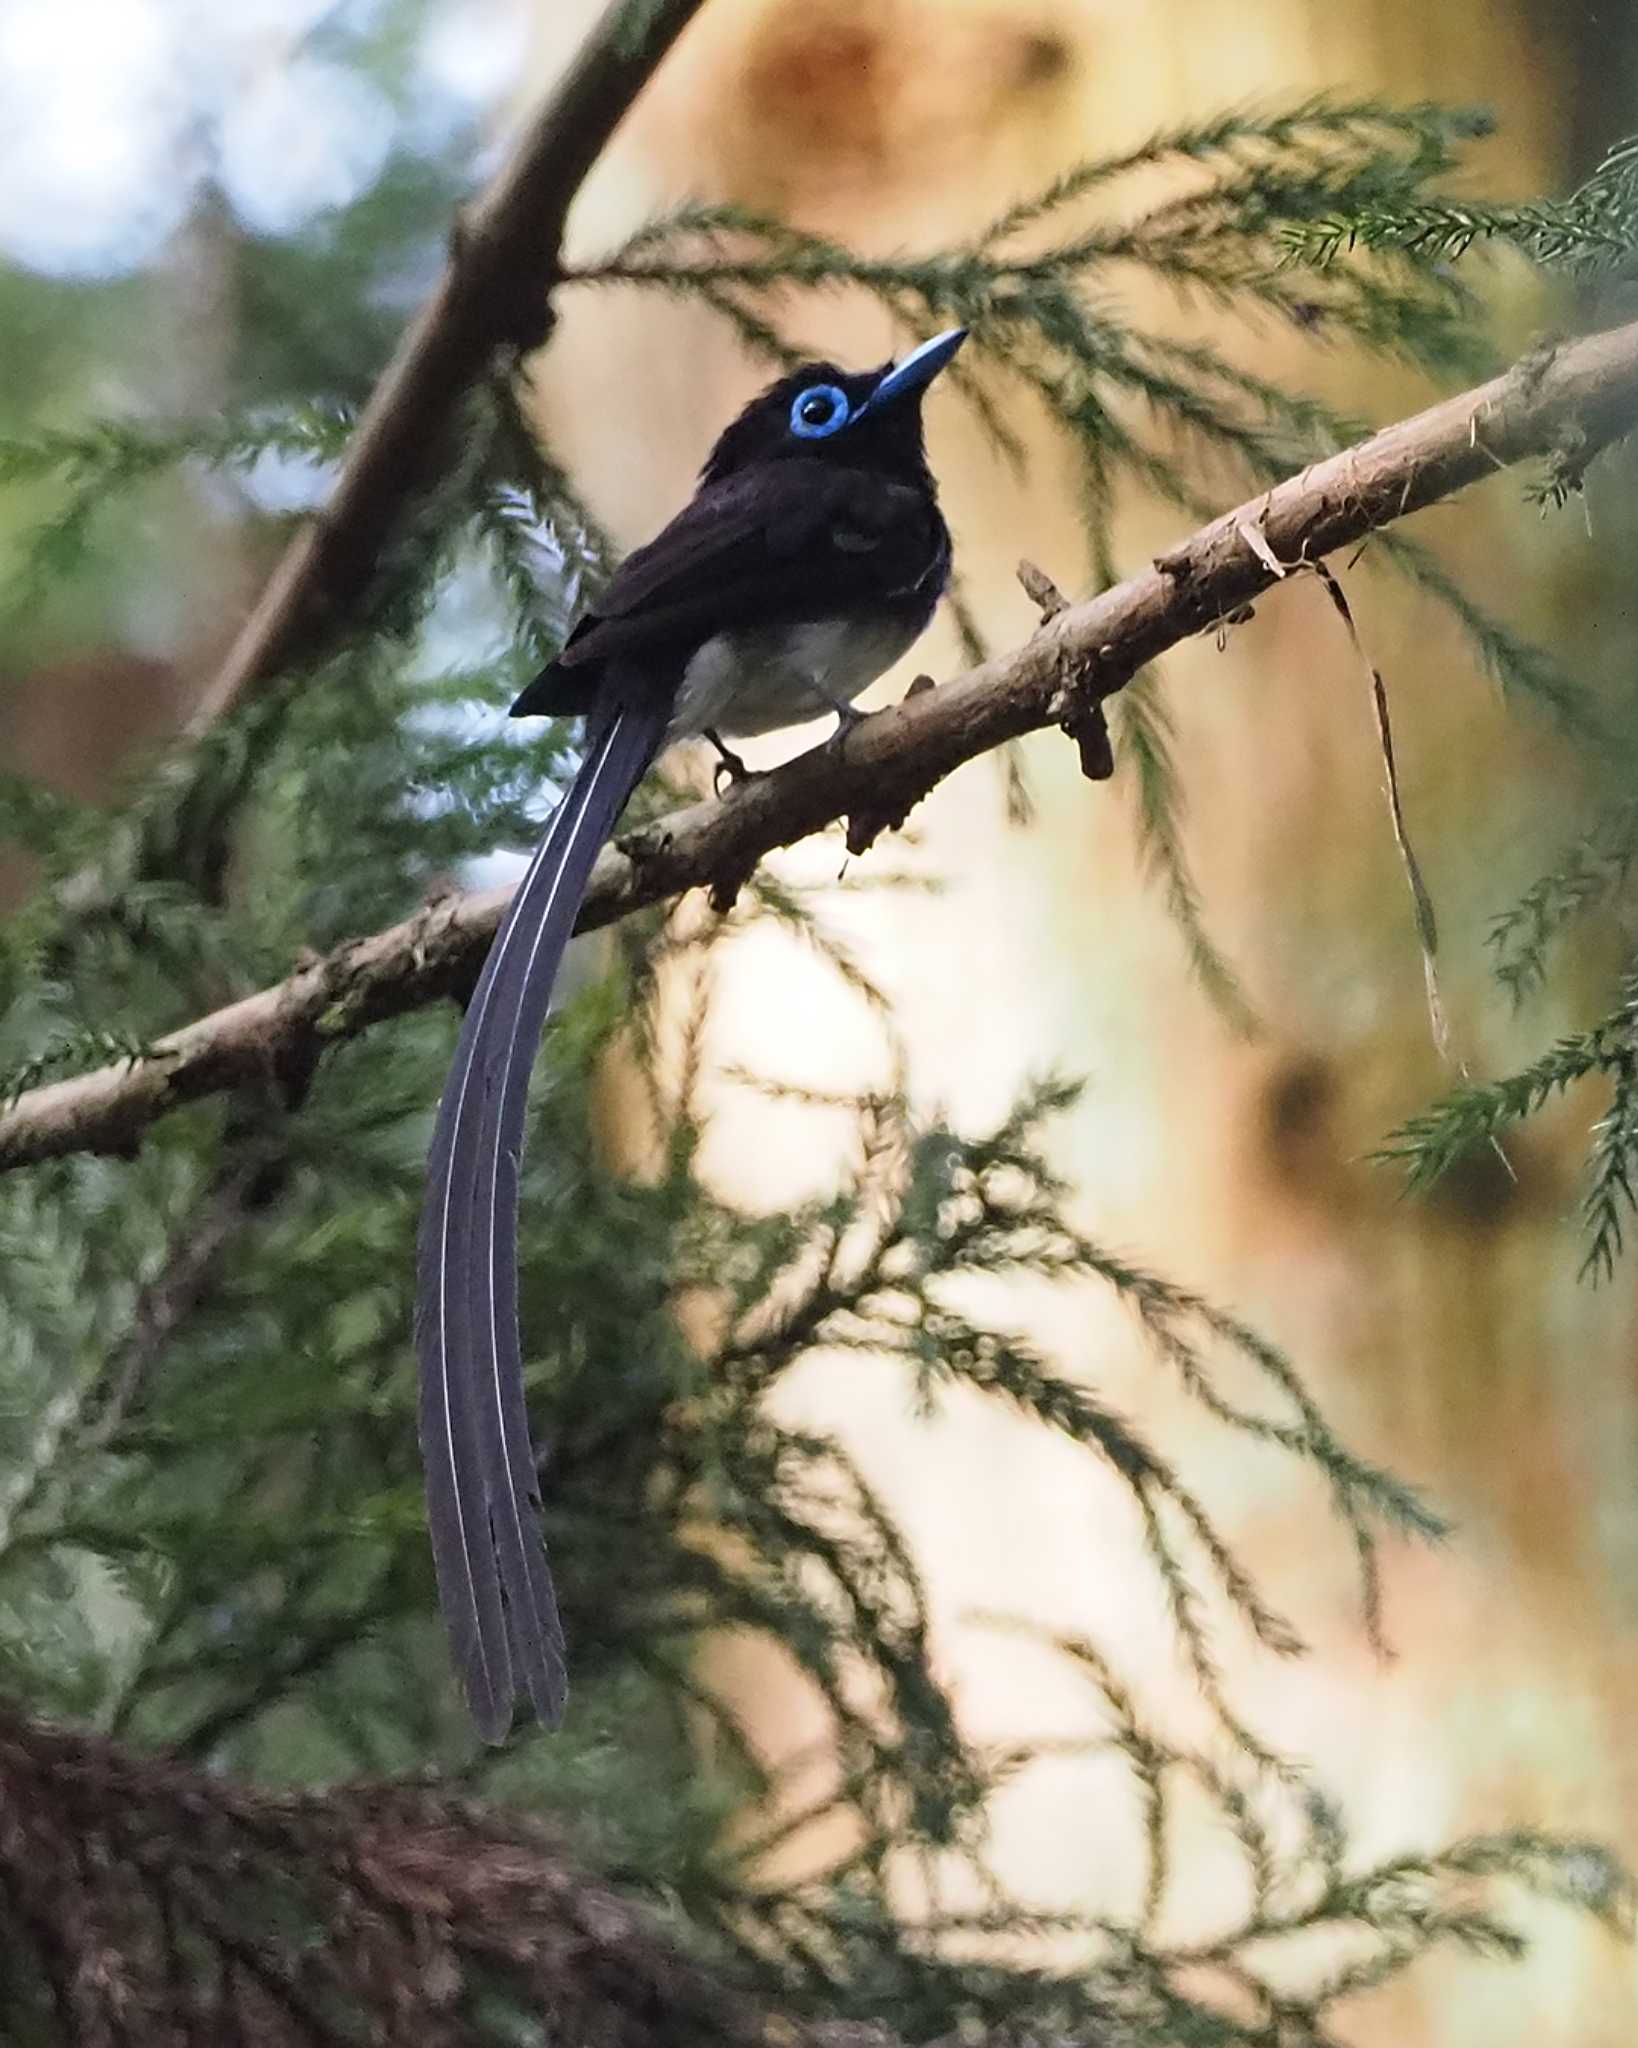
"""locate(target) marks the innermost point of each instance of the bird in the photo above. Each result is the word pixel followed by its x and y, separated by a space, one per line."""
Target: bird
pixel 811 556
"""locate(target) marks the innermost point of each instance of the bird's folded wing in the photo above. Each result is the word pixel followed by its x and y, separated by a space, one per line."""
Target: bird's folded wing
pixel 791 540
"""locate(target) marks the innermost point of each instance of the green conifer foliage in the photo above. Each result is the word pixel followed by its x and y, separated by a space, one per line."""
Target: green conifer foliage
pixel 212 1553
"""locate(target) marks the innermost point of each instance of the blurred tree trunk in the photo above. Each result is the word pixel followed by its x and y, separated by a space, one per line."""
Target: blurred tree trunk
pixel 76 711
pixel 1447 1338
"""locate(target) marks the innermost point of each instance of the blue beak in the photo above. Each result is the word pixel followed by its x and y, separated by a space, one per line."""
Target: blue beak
pixel 916 372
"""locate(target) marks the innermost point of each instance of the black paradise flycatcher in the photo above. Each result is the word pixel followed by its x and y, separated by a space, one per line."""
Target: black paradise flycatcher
pixel 810 557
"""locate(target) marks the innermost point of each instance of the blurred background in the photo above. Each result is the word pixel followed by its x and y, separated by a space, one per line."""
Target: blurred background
pixel 209 212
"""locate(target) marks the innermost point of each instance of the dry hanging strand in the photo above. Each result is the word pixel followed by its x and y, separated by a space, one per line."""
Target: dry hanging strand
pixel 1427 928
pixel 1427 924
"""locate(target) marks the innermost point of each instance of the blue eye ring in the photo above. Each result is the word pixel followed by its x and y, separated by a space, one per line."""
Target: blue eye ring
pixel 820 410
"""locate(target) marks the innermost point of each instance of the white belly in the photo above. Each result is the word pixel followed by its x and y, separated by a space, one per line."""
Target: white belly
pixel 759 678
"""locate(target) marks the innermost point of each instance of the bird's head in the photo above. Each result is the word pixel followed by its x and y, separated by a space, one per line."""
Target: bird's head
pixel 869 419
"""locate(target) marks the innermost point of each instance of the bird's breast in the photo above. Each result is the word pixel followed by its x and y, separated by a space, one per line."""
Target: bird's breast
pixel 755 679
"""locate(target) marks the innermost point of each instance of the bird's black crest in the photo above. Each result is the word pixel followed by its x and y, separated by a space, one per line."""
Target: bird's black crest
pixel 889 442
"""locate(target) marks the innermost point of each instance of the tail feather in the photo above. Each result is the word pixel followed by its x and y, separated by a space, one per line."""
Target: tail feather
pixel 482 1489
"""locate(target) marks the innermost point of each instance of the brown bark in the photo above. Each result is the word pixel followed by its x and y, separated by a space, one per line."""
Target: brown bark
pixel 143 1901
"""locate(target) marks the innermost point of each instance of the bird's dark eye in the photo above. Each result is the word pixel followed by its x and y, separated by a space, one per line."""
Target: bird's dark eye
pixel 818 411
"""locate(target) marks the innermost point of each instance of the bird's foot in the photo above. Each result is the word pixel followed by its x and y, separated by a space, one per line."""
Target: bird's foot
pixel 730 768
pixel 847 718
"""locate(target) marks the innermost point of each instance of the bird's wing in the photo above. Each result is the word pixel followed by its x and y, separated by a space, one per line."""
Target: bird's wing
pixel 789 540
pixel 482 1491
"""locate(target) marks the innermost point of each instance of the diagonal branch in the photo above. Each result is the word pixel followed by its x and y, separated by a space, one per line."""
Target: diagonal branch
pixel 504 260
pixel 1581 396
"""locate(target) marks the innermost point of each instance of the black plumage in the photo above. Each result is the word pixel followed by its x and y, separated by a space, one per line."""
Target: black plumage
pixel 810 557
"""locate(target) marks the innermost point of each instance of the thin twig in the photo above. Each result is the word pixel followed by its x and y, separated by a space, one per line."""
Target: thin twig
pixel 890 761
pixel 1427 924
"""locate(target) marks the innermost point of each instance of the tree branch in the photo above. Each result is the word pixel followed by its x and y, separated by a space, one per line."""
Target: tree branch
pixel 504 260
pixel 388 1911
pixel 1579 396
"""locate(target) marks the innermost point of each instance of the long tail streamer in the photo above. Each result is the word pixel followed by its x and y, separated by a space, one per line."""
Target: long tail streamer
pixel 483 1495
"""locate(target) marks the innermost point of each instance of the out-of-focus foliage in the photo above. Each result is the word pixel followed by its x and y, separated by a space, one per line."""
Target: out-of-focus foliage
pixel 211 1536
pixel 1044 290
pixel 1593 233
pixel 1592 236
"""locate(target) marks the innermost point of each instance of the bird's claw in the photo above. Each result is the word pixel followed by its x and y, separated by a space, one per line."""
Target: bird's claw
pixel 729 767
pixel 847 719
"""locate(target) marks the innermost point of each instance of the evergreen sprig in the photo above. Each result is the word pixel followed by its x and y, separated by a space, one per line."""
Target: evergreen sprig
pixel 91 468
pixel 113 454
pixel 1594 868
pixel 1430 1144
pixel 73 1055
pixel 1594 232
pixel 1427 1146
